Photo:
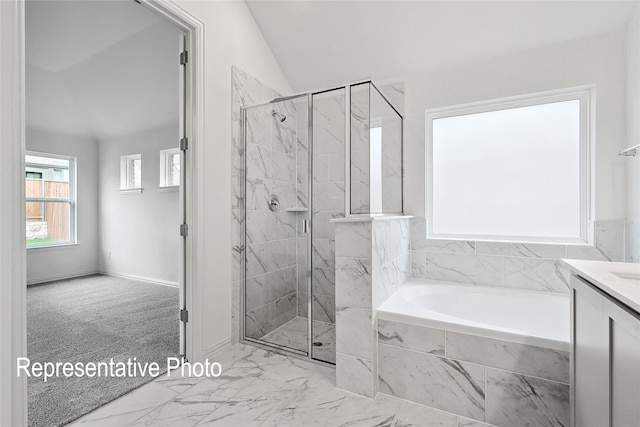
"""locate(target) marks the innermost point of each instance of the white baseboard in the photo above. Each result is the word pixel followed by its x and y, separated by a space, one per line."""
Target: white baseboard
pixel 140 278
pixel 47 279
pixel 211 351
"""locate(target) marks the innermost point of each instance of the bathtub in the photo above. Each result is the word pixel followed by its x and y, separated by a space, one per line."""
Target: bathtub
pixel 495 355
pixel 536 318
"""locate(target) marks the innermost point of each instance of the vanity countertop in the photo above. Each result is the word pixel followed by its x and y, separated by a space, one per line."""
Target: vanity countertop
pixel 620 280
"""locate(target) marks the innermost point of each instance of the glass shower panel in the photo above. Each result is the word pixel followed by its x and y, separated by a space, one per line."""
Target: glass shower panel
pixel 360 162
pixel 328 193
pixel 276 219
pixel 376 153
pixel 385 156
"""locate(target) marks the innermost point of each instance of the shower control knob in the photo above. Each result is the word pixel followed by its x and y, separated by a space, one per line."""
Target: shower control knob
pixel 274 203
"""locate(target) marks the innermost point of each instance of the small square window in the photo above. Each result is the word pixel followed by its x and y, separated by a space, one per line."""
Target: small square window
pixel 170 168
pixel 131 172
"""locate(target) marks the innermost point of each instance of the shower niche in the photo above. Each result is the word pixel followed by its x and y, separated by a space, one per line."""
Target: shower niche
pixel 310 158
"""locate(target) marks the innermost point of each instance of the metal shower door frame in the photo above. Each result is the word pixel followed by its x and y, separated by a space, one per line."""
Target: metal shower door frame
pixel 347 202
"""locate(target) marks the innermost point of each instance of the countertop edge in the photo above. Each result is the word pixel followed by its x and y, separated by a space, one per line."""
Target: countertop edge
pixel 602 274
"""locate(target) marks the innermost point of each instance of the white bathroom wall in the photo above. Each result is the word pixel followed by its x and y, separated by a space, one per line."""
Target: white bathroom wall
pixel 231 37
pixel 45 264
pixel 632 225
pixel 598 60
pixel 139 233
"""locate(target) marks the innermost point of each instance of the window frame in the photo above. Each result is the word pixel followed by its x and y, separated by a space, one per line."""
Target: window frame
pixel 72 200
pixel 586 96
pixel 126 165
pixel 165 167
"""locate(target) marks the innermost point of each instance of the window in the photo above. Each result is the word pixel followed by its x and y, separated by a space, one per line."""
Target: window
pixel 50 197
pixel 131 172
pixel 511 170
pixel 170 167
pixel 375 169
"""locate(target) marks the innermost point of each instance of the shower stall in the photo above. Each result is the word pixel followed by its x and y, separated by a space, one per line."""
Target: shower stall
pixel 310 158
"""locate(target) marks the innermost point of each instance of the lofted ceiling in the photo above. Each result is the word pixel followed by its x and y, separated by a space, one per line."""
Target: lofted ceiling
pixel 99 69
pixel 324 43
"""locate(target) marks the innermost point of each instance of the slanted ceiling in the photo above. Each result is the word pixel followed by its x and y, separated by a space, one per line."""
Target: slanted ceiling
pixel 99 69
pixel 324 43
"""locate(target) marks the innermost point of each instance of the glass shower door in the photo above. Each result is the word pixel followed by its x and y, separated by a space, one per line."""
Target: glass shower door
pixel 276 267
pixel 328 191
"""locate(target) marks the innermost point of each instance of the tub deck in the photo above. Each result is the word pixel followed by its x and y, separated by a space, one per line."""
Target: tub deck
pixel 535 318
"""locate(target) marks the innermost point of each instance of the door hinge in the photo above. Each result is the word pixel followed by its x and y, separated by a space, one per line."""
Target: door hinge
pixel 184 144
pixel 184 230
pixel 184 315
pixel 184 57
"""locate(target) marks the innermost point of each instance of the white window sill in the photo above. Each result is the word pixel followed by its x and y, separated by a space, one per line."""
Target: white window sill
pixel 54 246
pixel 130 191
pixel 168 188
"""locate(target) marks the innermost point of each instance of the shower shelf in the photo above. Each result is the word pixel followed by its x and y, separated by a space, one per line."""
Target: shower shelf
pixel 296 209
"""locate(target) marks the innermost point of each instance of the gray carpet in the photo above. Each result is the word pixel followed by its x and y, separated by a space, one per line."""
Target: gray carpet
pixel 93 319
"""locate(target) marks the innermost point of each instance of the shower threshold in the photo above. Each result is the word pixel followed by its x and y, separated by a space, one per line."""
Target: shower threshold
pixel 293 334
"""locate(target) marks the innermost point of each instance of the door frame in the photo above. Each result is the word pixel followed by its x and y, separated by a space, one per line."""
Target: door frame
pixel 13 334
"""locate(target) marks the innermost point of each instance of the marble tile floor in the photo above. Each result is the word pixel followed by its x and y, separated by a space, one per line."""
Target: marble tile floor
pixel 261 388
pixel 293 334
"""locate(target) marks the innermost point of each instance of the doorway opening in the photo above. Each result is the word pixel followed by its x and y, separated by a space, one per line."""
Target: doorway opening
pixel 106 197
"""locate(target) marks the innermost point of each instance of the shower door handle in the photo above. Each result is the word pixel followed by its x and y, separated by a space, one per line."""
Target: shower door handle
pixel 305 226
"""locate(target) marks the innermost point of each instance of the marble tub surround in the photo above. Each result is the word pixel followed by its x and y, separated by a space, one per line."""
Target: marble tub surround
pixel 259 388
pixel 532 266
pixel 487 380
pixel 372 262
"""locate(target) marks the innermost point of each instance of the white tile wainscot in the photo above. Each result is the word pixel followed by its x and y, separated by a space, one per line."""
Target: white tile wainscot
pixel 372 262
pixel 493 381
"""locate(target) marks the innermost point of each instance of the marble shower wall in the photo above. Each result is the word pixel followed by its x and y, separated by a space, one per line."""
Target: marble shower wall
pixel 271 237
pixel 246 90
pixel 513 265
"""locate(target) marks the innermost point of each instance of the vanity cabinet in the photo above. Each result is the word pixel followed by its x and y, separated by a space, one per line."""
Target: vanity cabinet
pixel 606 359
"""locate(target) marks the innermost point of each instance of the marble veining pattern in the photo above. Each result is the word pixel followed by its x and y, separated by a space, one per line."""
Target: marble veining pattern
pixel 530 266
pixel 482 379
pixel 520 358
pixel 532 250
pixel 354 240
pixel 354 374
pixel 609 243
pixel 521 400
pixel 246 90
pixel 535 274
pixel 356 274
pixel 426 340
pixel 260 388
pixel 445 384
pixel 354 332
pixel 472 269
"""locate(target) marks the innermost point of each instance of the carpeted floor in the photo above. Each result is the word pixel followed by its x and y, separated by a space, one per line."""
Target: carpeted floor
pixel 94 319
